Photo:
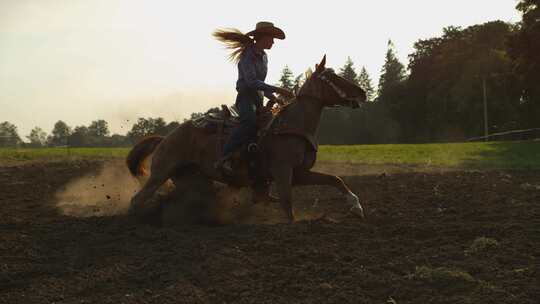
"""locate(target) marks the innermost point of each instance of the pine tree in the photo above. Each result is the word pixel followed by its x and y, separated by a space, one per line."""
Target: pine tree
pixel 365 83
pixel 393 71
pixel 286 80
pixel 348 72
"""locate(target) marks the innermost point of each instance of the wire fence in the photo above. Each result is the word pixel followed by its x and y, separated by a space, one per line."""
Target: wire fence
pixel 527 134
pixel 513 135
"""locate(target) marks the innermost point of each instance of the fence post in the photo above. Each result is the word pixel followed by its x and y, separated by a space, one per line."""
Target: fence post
pixel 486 131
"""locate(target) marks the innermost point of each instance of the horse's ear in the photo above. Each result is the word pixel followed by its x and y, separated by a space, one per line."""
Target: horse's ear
pixel 323 62
pixel 321 66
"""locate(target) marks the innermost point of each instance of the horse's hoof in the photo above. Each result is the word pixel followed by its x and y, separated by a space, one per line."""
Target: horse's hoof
pixel 264 198
pixel 357 211
pixel 356 208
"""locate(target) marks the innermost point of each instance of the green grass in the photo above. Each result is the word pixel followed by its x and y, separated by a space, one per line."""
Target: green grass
pixel 475 155
pixel 521 155
pixel 61 154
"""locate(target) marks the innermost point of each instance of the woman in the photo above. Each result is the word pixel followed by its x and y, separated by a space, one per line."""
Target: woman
pixel 252 69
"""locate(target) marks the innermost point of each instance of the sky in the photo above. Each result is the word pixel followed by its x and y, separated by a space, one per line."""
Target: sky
pixel 118 60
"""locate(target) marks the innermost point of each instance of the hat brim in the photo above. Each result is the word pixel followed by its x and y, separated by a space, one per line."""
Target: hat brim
pixel 273 31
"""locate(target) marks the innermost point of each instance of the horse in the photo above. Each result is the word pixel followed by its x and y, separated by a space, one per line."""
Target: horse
pixel 287 151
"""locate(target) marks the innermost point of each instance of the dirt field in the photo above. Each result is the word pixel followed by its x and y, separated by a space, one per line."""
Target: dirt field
pixel 429 237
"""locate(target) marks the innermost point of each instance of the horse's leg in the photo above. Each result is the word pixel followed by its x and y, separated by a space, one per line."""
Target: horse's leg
pixel 163 167
pixel 147 191
pixel 304 177
pixel 283 178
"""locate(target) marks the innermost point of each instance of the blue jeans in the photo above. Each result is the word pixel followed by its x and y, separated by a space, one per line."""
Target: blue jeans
pixel 247 102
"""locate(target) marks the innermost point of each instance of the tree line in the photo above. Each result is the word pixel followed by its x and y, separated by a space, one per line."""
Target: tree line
pixel 96 134
pixel 439 95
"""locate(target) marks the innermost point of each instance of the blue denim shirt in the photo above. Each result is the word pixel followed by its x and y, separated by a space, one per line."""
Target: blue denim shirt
pixel 252 70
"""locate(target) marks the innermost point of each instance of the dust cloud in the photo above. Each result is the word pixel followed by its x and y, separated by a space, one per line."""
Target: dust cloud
pixel 192 200
pixel 196 200
pixel 106 193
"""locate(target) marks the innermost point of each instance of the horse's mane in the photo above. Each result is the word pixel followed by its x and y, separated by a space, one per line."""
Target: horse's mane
pixel 307 76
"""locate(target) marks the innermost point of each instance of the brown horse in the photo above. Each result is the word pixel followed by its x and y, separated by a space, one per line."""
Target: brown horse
pixel 288 150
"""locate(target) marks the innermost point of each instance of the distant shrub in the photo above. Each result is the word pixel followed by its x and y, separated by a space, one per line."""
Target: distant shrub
pixel 444 277
pixel 482 244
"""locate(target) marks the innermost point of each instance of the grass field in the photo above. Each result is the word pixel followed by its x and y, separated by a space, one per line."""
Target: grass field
pixel 61 154
pixel 471 155
pixel 520 155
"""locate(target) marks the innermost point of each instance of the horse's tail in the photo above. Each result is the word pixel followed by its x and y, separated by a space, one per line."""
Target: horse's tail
pixel 139 152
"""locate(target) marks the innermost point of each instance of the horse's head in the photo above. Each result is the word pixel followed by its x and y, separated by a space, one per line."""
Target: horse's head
pixel 333 90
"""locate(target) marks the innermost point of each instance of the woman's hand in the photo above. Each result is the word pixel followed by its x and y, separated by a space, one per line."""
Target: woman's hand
pixel 284 92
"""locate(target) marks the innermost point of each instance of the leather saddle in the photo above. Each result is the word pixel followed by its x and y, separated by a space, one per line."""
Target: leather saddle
pixel 225 120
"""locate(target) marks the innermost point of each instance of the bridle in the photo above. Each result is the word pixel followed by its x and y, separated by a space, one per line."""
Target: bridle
pixel 323 76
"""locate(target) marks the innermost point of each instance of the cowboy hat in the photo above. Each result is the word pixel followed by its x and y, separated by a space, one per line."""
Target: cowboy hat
pixel 267 28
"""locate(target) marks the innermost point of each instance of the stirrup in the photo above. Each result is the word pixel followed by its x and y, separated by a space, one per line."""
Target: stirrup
pixel 252 148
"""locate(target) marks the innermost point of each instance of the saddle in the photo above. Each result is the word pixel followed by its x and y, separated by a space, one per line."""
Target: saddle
pixel 222 123
pixel 225 120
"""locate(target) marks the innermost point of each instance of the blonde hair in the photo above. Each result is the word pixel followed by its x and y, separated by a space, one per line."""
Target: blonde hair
pixel 233 40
